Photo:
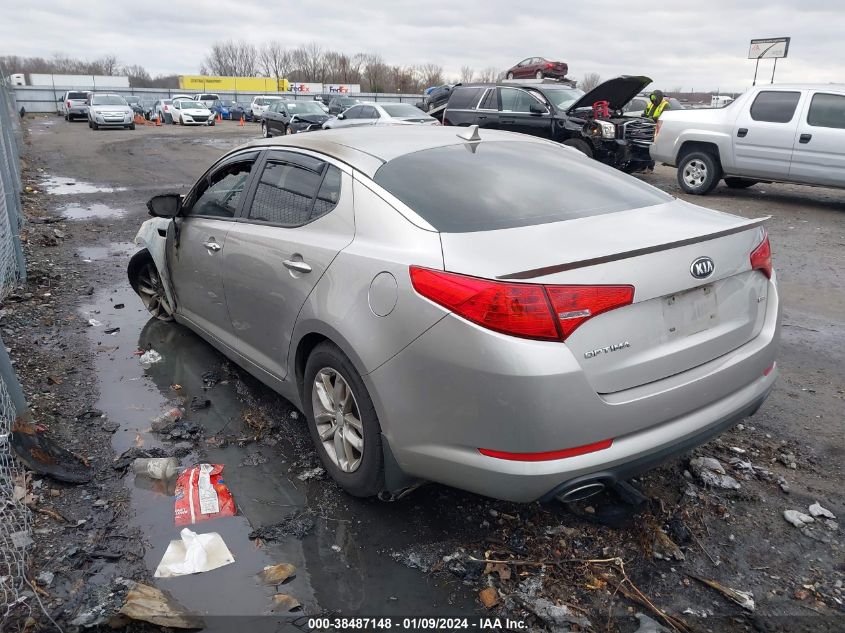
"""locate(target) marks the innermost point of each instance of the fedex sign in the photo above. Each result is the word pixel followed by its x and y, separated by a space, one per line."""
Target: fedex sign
pixel 343 88
pixel 305 88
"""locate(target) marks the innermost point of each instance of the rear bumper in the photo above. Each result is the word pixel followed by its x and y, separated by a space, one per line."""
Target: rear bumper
pixel 458 388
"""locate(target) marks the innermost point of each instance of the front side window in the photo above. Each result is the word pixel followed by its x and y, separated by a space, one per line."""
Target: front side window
pixel 295 192
pixel 775 106
pixel 827 110
pixel 218 196
pixel 508 98
pixel 353 113
pixel 525 100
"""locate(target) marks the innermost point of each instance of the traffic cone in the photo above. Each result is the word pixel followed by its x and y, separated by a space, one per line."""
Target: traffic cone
pixel 242 121
pixel 219 118
pixel 158 121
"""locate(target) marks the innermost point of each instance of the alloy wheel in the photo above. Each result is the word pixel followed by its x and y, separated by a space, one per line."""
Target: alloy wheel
pixel 151 291
pixel 338 419
pixel 695 173
pixel 264 131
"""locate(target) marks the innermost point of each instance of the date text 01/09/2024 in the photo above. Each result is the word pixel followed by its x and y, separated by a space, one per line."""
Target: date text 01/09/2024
pixel 416 623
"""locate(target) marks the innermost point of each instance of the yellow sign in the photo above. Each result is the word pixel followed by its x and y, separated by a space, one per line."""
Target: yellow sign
pixel 234 84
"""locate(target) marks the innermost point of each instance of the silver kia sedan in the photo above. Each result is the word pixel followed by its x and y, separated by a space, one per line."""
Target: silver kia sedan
pixel 488 310
pixel 370 113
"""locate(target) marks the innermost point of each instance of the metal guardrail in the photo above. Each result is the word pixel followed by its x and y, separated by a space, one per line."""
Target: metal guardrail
pixel 44 99
pixel 15 524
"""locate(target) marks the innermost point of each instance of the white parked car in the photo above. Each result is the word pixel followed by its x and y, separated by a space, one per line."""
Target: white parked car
pixel 190 112
pixel 772 133
pixel 207 98
pixel 109 110
pixel 260 104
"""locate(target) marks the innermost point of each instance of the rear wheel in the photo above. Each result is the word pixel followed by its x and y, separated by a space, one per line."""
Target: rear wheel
pixel 581 145
pixel 264 131
pixel 342 421
pixel 538 74
pixel 740 183
pixel 510 75
pixel 146 282
pixel 288 130
pixel 698 173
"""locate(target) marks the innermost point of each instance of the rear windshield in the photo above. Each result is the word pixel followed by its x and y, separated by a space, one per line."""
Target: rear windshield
pixel 506 184
pixel 402 109
pixel 77 95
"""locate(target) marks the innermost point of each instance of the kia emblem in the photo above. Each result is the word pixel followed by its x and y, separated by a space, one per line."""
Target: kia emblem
pixel 702 267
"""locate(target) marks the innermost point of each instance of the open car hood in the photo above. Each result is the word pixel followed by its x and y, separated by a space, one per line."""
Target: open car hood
pixel 617 92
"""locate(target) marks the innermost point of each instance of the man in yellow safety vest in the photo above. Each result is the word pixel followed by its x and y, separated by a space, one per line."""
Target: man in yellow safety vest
pixel 657 103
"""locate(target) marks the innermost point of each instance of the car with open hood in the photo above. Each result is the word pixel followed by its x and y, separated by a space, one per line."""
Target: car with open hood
pixel 292 117
pixel 593 122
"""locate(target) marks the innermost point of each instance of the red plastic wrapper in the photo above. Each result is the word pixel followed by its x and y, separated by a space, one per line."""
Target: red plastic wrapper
pixel 201 495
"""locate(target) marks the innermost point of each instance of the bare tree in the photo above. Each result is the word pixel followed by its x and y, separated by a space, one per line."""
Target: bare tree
pixel 231 59
pixel 376 73
pixel 308 62
pixel 488 75
pixel 467 74
pixel 430 74
pixel 274 60
pixel 590 81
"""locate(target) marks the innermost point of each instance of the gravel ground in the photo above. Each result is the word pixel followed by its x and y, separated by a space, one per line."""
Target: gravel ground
pixel 589 566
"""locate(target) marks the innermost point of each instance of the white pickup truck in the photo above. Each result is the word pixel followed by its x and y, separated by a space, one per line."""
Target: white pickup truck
pixel 787 133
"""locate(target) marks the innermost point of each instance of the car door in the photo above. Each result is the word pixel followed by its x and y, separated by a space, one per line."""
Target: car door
pixel 370 116
pixel 273 118
pixel 351 117
pixel 818 154
pixel 764 133
pixel 487 113
pixel 197 239
pixel 298 218
pixel 522 69
pixel 516 115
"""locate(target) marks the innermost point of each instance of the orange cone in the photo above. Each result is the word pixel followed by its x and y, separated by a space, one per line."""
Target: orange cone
pixel 158 121
pixel 219 118
pixel 242 121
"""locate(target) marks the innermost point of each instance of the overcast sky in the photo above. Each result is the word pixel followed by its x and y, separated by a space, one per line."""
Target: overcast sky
pixel 698 46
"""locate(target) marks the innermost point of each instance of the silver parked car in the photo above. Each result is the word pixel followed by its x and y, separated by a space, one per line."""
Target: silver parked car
pixel 74 104
pixel 495 312
pixel 109 110
pixel 370 113
pixel 781 132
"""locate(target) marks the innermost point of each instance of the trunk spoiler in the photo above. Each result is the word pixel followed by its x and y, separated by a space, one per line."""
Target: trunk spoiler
pixel 548 270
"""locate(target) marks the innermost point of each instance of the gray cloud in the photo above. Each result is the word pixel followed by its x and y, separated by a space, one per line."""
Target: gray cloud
pixel 703 46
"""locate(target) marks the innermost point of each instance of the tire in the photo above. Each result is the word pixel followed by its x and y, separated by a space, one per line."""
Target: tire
pixel 288 131
pixel 740 183
pixel 90 125
pixel 510 75
pixel 146 282
pixel 131 126
pixel 325 365
pixel 699 173
pixel 265 132
pixel 67 117
pixel 94 126
pixel 538 74
pixel 581 145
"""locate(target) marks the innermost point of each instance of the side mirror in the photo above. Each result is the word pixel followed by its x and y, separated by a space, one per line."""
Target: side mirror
pixel 341 116
pixel 536 108
pixel 166 205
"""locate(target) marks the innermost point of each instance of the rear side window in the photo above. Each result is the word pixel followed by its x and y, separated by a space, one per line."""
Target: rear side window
pixel 296 192
pixel 827 110
pixel 505 184
pixel 464 98
pixel 775 106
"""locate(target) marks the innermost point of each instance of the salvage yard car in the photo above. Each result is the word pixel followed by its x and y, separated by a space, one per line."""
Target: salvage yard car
pixel 475 332
pixel 260 104
pixel 775 133
pixel 190 112
pixel 562 113
pixel 109 110
pixel 538 68
pixel 292 117
pixel 75 104
pixel 369 113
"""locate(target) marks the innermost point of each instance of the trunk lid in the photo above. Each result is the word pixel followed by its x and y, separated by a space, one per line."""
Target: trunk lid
pixel 676 321
pixel 617 92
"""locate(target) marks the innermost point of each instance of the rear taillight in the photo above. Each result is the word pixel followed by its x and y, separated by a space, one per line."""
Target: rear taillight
pixel 549 313
pixel 550 65
pixel 761 257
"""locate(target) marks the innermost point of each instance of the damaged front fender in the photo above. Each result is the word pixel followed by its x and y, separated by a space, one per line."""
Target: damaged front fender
pixel 153 236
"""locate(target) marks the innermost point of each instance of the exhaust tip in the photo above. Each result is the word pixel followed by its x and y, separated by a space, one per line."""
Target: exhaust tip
pixel 580 492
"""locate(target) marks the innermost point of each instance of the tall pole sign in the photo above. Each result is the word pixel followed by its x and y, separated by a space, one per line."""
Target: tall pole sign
pixel 769 48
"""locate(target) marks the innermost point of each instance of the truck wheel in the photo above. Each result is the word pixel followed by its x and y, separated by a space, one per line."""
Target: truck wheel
pixel 581 145
pixel 699 173
pixel 740 183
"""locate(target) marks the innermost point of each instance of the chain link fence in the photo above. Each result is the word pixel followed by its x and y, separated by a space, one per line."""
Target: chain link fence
pixel 15 535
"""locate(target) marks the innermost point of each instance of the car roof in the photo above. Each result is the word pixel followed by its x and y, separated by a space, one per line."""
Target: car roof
pixel 366 149
pixel 828 86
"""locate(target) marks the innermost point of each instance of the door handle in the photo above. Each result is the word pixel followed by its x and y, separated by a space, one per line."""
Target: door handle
pixel 805 138
pixel 482 117
pixel 297 265
pixel 741 132
pixel 212 246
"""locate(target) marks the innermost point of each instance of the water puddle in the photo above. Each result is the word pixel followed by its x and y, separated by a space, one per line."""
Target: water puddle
pixel 90 254
pixel 60 186
pixel 93 211
pixel 343 563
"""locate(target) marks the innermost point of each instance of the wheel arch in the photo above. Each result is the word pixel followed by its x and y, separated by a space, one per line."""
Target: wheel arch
pixel 308 335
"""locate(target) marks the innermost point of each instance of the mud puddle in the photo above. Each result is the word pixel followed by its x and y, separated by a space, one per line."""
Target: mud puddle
pixel 60 186
pixel 94 211
pixel 343 563
pixel 90 254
